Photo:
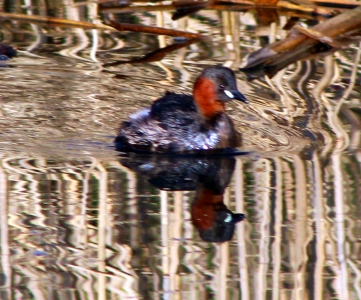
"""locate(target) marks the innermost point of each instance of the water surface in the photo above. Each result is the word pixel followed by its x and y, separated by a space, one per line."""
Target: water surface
pixel 80 221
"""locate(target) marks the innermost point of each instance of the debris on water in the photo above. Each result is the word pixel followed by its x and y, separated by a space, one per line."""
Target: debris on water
pixel 7 52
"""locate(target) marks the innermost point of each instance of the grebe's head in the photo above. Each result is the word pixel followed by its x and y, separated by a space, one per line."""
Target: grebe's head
pixel 213 87
pixel 214 221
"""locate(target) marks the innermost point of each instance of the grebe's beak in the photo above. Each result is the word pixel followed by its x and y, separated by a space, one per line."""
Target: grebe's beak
pixel 238 217
pixel 234 94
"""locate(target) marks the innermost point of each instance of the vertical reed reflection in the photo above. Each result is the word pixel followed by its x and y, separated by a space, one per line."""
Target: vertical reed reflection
pixel 94 252
pixel 5 267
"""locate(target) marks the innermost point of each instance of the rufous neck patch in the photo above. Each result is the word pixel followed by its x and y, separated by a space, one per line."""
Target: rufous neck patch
pixel 205 96
pixel 204 208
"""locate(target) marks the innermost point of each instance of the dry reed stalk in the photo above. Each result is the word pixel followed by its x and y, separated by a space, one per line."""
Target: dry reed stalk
pixel 138 8
pixel 153 30
pixel 337 3
pixel 229 5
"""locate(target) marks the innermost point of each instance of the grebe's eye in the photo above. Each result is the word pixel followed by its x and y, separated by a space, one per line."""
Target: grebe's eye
pixel 222 87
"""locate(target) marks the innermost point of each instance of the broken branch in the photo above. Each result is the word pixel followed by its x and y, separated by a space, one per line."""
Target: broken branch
pixel 300 41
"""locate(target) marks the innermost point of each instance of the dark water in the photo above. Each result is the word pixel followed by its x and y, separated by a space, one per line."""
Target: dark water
pixel 78 221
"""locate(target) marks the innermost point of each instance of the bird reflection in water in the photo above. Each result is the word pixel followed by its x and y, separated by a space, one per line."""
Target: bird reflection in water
pixel 207 176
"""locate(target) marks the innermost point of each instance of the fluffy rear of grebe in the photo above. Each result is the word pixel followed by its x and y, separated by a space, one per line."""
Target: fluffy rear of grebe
pixel 173 124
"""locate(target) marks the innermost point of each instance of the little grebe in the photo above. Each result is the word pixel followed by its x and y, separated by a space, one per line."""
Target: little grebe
pixel 182 123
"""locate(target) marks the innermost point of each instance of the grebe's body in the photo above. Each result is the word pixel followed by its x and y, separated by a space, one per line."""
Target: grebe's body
pixel 182 123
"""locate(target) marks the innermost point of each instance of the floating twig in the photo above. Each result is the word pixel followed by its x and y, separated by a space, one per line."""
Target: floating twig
pixel 156 55
pixel 7 51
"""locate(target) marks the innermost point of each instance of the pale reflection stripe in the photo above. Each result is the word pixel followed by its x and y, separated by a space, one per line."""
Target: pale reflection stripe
pixel 319 94
pixel 176 231
pixel 95 41
pixel 262 170
pixel 220 278
pixel 93 14
pixel 340 227
pixel 301 241
pixel 276 246
pixel 164 244
pixel 35 196
pixel 241 232
pixel 320 227
pixel 190 256
pixel 4 229
pixel 102 224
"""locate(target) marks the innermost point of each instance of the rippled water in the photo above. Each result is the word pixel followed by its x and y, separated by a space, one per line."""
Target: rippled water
pixel 78 221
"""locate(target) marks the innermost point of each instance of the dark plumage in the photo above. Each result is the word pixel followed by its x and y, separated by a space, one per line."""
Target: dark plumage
pixel 182 123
